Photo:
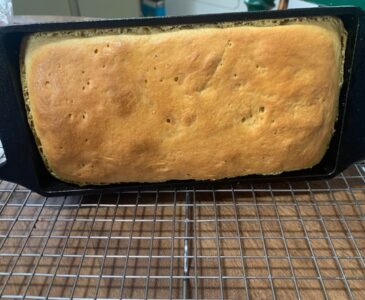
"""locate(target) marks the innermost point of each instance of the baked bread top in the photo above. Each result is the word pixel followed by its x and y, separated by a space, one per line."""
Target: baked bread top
pixel 208 102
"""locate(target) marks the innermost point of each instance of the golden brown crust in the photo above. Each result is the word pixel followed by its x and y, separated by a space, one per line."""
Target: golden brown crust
pixel 203 103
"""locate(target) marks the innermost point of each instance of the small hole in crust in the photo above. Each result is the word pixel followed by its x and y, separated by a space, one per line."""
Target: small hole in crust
pixel 84 115
pixel 47 84
pixel 83 164
pixel 145 81
pixel 156 55
pixel 262 109
pixel 176 79
pixel 96 51
pixel 83 72
pixel 168 120
pixel 86 140
pixel 83 88
pixel 243 120
pixel 88 82
pixel 235 75
pixel 161 80
pixel 103 66
pixel 69 115
pixel 257 66
pixel 155 68
pixel 108 45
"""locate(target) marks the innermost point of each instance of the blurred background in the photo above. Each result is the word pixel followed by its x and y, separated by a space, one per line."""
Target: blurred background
pixel 134 8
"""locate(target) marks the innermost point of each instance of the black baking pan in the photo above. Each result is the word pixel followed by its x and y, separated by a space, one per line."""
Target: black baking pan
pixel 25 166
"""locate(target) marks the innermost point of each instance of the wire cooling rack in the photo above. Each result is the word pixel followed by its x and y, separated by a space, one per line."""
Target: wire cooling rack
pixel 300 240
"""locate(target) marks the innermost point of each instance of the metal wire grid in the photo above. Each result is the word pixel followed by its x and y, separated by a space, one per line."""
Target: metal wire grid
pixel 280 241
pixel 2 154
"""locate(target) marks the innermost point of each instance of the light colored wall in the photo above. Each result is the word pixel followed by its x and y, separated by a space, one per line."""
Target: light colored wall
pixel 41 7
pixel 109 8
pixel 130 8
pixel 88 8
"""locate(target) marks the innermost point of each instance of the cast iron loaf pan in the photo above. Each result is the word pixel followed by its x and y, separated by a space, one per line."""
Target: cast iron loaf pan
pixel 25 166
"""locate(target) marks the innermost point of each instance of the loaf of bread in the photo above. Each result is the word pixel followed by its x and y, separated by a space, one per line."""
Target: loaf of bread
pixel 185 102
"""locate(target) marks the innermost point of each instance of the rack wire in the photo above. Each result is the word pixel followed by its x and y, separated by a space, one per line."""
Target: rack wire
pixel 293 240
